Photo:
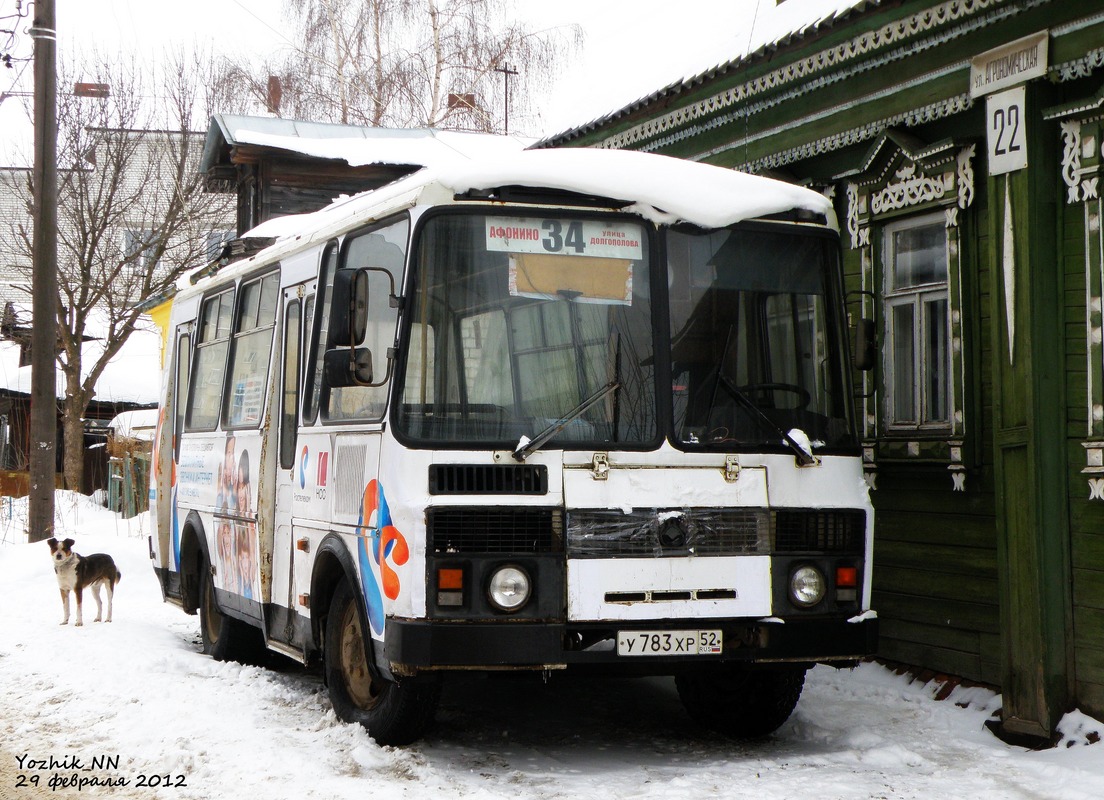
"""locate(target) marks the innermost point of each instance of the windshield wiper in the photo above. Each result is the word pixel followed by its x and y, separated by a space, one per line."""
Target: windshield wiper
pixel 527 446
pixel 803 456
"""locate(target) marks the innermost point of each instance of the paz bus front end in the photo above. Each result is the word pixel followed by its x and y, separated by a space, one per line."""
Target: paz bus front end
pixel 631 449
pixel 692 566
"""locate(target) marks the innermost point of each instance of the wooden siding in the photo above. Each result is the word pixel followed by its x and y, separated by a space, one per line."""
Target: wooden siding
pixel 1086 516
pixel 935 579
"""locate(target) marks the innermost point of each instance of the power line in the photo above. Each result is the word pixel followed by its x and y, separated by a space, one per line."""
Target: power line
pixel 264 22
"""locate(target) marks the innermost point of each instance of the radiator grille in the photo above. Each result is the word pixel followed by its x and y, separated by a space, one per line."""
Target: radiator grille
pixel 820 531
pixel 658 532
pixel 495 530
pixel 641 533
pixel 488 479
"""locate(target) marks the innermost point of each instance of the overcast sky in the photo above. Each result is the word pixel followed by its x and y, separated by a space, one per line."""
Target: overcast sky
pixel 631 47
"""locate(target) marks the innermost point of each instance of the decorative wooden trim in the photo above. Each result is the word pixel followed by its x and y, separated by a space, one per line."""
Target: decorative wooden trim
pixel 1079 145
pixel 909 119
pixel 1094 320
pixel 911 189
pixel 808 74
pixel 1080 68
pixel 1094 469
pixel 1008 268
pixel 956 467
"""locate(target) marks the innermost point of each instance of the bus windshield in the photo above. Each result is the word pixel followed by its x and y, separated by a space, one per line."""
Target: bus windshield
pixel 520 323
pixel 755 348
pixel 516 321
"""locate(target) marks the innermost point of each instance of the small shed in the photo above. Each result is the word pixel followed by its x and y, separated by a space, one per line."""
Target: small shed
pixel 129 382
pixel 129 449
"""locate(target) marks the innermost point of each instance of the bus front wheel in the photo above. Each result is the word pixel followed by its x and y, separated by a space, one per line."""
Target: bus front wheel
pixel 393 713
pixel 740 702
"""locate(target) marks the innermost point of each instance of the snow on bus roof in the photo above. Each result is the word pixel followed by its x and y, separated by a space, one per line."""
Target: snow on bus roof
pixel 660 188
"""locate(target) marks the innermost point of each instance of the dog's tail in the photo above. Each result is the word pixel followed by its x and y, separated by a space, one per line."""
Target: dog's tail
pixel 118 575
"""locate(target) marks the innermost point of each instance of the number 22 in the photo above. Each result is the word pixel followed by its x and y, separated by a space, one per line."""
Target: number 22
pixel 1006 121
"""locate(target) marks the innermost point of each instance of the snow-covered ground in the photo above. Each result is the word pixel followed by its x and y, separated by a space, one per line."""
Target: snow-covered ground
pixel 135 701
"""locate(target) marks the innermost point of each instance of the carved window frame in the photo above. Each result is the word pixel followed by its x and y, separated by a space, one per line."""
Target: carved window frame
pixel 1082 169
pixel 899 180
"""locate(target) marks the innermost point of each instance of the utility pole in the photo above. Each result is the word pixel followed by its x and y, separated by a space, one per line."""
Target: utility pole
pixel 43 439
pixel 506 73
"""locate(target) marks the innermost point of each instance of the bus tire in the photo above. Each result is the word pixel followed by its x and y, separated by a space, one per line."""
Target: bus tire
pixel 740 702
pixel 393 713
pixel 224 638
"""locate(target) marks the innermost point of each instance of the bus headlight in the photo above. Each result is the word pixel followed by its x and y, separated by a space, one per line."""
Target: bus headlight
pixel 509 588
pixel 807 586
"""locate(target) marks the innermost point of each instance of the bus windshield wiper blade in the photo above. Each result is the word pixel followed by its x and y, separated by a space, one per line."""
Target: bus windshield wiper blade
pixel 525 447
pixel 803 456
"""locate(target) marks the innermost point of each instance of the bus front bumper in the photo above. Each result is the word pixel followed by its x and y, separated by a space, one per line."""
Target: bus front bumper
pixel 413 646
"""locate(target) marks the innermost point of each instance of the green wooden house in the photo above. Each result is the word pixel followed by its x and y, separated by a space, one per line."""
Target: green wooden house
pixel 961 143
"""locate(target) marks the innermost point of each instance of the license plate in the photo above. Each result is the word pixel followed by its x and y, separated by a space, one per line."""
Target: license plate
pixel 668 643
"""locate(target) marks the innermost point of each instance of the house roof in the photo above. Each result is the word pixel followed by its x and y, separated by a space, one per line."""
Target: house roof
pixel 795 21
pixel 356 145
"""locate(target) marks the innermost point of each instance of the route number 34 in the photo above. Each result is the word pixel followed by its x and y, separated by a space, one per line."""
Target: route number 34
pixel 1006 132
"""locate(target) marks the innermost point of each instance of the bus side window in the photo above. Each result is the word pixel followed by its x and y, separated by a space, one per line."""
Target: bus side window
pixel 252 351
pixel 381 250
pixel 289 414
pixel 183 360
pixel 312 389
pixel 205 390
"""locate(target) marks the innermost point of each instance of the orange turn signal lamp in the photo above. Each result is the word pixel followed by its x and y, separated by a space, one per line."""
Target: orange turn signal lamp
pixel 450 586
pixel 450 578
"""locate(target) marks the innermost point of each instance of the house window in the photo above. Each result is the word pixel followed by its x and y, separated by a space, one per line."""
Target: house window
pixel 918 361
pixel 139 250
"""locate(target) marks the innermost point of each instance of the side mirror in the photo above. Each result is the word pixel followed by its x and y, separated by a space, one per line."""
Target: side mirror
pixel 866 346
pixel 349 367
pixel 349 308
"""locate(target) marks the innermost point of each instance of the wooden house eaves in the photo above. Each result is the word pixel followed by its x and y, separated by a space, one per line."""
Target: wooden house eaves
pixel 804 69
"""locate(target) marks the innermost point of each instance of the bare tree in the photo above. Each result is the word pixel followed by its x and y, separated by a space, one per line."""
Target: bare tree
pixel 409 63
pixel 133 215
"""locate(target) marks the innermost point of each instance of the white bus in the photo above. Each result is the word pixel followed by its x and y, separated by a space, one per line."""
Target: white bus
pixel 566 409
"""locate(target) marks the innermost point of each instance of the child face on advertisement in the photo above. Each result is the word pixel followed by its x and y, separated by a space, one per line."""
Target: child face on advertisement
pixel 242 485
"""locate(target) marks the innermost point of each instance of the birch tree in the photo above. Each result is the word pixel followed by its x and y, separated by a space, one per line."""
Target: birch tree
pixel 411 63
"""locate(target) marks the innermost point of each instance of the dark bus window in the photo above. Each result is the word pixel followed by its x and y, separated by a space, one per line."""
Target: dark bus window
pixel 312 391
pixel 289 414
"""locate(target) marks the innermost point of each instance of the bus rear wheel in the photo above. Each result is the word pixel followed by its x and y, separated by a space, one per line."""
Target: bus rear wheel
pixel 224 638
pixel 741 702
pixel 393 713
